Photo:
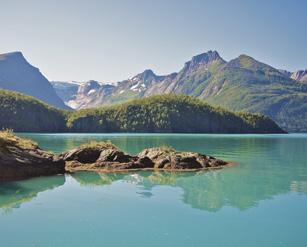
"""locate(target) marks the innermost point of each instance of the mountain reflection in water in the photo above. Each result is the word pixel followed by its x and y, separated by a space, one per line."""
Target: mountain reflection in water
pixel 267 166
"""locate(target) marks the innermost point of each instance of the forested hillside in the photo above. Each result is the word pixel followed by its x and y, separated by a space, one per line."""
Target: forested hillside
pixel 167 113
pixel 25 113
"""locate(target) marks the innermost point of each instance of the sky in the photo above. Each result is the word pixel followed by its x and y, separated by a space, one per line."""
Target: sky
pixel 112 40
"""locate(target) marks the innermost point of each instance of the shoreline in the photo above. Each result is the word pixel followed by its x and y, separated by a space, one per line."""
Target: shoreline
pixel 81 169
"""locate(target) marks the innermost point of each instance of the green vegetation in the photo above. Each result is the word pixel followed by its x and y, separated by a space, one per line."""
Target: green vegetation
pixel 98 144
pixel 7 137
pixel 246 84
pixel 167 113
pixel 167 148
pixel 240 84
pixel 25 113
pixel 14 195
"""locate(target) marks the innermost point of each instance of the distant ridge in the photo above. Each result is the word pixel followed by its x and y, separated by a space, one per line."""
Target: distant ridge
pixel 18 75
pixel 242 83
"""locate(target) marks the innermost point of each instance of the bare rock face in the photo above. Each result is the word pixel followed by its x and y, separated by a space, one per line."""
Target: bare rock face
pixel 166 158
pixel 114 155
pixel 300 75
pixel 111 159
pixel 19 163
pixel 82 155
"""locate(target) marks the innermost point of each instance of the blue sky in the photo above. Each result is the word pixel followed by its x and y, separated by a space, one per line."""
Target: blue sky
pixel 114 40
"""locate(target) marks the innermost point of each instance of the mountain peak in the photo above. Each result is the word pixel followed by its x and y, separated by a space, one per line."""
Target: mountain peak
pixel 247 62
pixel 88 86
pixel 146 74
pixel 16 55
pixel 17 74
pixel 206 57
pixel 203 60
pixel 92 83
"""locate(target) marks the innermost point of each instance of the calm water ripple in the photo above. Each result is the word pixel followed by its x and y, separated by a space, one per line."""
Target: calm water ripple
pixel 262 201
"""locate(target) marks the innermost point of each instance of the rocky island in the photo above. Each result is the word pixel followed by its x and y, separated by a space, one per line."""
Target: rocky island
pixel 105 157
pixel 22 158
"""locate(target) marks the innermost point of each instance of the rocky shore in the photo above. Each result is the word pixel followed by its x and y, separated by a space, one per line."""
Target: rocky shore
pixel 22 158
pixel 108 158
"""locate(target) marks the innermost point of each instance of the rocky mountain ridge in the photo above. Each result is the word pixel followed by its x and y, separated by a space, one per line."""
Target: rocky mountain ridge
pixel 17 74
pixel 300 75
pixel 242 83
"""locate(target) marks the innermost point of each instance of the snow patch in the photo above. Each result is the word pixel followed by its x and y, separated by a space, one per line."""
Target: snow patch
pixel 73 104
pixel 138 86
pixel 91 91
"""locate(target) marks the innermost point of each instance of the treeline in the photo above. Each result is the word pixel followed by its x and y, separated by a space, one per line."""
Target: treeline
pixel 157 114
pixel 25 113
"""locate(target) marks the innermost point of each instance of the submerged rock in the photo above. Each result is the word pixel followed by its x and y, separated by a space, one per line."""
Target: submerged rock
pixel 106 158
pixel 22 158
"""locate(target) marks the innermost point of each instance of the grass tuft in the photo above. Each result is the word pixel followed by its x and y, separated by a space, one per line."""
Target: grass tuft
pixel 8 138
pixel 98 144
pixel 167 148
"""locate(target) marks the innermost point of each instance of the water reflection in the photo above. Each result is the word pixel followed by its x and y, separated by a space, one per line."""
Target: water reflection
pixel 13 194
pixel 208 191
pixel 95 179
pixel 268 166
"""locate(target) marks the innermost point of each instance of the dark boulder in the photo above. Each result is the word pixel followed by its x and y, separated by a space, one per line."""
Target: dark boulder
pixel 145 162
pixel 114 155
pixel 82 155
pixel 18 163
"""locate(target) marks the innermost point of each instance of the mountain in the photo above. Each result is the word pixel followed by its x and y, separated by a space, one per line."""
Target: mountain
pixel 78 95
pixel 144 84
pixel 167 113
pixel 17 74
pixel 246 84
pixel 285 72
pixel 66 90
pixel 300 75
pixel 242 83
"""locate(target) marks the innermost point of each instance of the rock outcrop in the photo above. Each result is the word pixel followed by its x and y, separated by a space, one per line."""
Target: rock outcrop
pixel 108 158
pixel 167 158
pixel 21 158
pixel 300 75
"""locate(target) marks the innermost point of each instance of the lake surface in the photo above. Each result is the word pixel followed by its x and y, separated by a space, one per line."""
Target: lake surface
pixel 262 201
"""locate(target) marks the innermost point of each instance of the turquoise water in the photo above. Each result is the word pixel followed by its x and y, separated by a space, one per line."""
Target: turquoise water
pixel 262 201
